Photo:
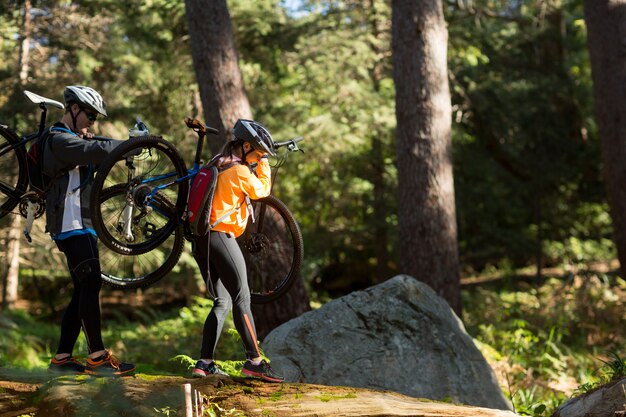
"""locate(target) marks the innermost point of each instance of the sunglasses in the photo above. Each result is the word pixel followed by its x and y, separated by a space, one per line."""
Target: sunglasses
pixel 91 116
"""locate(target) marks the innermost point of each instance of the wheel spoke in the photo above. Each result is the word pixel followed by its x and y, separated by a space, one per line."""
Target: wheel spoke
pixel 13 175
pixel 145 208
pixel 138 269
pixel 272 247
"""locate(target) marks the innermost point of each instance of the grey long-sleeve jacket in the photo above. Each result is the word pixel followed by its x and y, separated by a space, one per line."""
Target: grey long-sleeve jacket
pixel 71 162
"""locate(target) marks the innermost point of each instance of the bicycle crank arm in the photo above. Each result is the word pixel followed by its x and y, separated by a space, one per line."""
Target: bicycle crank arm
pixel 31 209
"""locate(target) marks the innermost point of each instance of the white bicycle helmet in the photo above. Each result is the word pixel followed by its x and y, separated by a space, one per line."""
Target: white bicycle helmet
pixel 85 97
pixel 256 134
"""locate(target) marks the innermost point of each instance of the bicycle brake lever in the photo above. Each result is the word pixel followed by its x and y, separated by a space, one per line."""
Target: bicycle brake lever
pixel 293 147
pixel 140 124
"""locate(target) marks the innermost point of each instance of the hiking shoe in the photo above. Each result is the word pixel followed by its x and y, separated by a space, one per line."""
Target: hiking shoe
pixel 262 370
pixel 203 369
pixel 108 365
pixel 67 365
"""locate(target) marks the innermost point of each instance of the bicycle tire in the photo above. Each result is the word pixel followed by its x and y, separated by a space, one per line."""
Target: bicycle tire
pixel 13 171
pixel 140 271
pixel 273 249
pixel 153 158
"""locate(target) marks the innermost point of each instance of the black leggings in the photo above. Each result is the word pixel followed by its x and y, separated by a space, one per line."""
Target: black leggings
pixel 229 280
pixel 81 252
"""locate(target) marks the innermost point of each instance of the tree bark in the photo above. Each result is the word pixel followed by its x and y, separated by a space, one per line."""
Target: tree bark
pixel 224 101
pixel 25 45
pixel 217 68
pixel 426 214
pixel 269 316
pixel 11 280
pixel 606 35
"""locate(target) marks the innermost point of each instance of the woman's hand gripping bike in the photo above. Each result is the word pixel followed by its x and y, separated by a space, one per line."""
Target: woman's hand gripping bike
pixel 138 207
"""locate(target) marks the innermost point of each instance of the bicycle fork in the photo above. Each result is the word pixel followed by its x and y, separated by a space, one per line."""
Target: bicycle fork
pixel 125 223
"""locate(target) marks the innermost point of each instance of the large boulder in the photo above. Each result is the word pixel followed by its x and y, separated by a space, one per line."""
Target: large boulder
pixel 398 335
pixel 606 401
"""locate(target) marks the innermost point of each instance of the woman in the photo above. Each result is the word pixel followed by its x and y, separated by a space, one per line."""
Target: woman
pixel 218 255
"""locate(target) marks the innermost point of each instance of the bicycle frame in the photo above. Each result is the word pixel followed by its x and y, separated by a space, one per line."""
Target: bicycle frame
pixel 127 214
pixel 139 204
pixel 32 207
pixel 192 172
pixel 24 140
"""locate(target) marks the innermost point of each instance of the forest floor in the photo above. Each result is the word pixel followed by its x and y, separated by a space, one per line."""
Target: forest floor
pixel 547 337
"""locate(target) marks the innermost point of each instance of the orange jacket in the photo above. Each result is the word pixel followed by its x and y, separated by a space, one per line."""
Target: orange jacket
pixel 233 185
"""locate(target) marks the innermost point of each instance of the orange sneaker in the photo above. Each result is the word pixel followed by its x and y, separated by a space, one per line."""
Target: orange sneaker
pixel 108 365
pixel 67 365
pixel 262 370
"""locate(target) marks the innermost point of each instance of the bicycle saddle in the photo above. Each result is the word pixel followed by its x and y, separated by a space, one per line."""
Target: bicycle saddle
pixel 37 99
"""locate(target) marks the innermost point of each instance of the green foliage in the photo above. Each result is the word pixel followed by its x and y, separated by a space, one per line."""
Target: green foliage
pixel 526 154
pixel 542 339
pixel 162 342
pixel 176 338
pixel 166 411
pixel 614 368
pixel 335 88
pixel 25 341
pixel 527 163
pixel 528 182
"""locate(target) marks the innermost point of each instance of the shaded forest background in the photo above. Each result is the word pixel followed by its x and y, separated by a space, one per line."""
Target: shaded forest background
pixel 530 196
pixel 527 169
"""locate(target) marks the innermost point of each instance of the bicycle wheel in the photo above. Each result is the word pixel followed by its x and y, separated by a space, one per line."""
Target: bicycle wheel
pixel 273 249
pixel 137 167
pixel 13 173
pixel 137 271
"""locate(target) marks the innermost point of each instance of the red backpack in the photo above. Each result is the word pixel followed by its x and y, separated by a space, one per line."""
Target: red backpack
pixel 201 198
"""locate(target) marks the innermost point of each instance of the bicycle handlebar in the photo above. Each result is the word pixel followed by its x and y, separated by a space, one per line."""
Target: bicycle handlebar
pixel 198 125
pixel 288 142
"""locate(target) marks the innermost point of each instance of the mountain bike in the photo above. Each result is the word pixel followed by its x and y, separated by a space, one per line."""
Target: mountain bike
pixel 138 205
pixel 14 193
pixel 13 168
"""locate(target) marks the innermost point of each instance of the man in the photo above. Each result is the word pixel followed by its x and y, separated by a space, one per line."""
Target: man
pixel 69 159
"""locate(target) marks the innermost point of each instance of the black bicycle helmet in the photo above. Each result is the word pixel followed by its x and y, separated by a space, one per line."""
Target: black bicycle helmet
pixel 255 134
pixel 85 97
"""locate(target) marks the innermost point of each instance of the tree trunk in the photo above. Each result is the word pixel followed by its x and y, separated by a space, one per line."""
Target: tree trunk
pixel 606 34
pixel 217 68
pixel 380 226
pixel 11 280
pixel 25 45
pixel 224 101
pixel 269 316
pixel 426 213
